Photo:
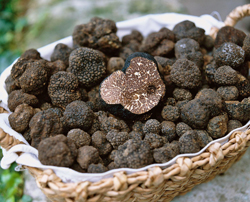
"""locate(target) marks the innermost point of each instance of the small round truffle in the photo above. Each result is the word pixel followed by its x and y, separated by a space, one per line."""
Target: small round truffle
pixel 61 52
pixel 186 46
pixel 133 154
pixel 31 54
pixel 78 115
pixel 225 75
pixel 203 138
pixel 63 89
pixel 168 130
pixel 188 142
pixel 235 110
pixel 166 153
pixel 134 35
pixel 18 97
pixel 170 113
pixel 87 155
pixel 117 138
pixel 88 65
pixel 79 137
pixel 185 74
pixel 109 123
pixel 181 128
pixel 228 93
pixel 136 135
pixel 19 120
pixel 217 126
pixel 97 168
pixel 10 84
pixel 114 64
pixel 229 54
pixel 57 151
pixel 152 126
pixel 138 126
pixel 154 140
pixel 100 142
pixel 233 124
pixel 181 94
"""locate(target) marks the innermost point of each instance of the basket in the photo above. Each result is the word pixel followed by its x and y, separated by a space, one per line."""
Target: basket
pixel 155 183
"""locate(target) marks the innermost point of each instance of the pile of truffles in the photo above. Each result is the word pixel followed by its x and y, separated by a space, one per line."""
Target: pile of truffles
pixel 107 104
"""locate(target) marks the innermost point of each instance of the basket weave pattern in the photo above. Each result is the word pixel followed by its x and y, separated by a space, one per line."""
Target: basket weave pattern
pixel 155 184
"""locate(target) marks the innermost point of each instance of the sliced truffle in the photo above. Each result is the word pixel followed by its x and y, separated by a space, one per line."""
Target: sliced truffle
pixel 79 137
pixel 57 151
pixel 185 74
pixel 44 124
pixel 100 142
pixel 63 89
pixel 18 97
pixel 78 115
pixel 19 120
pixel 229 54
pixel 88 65
pixel 61 52
pixel 133 154
pixel 138 87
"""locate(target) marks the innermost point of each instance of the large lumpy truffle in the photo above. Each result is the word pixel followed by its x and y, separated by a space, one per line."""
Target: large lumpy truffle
pixel 44 124
pixel 88 65
pixel 78 115
pixel 185 74
pixel 98 34
pixel 133 154
pixel 57 151
pixel 138 87
pixel 79 137
pixel 63 89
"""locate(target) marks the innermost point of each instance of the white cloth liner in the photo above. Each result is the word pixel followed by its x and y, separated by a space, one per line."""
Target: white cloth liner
pixel 145 24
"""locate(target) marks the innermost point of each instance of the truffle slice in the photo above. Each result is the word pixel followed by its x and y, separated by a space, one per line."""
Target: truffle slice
pixel 138 90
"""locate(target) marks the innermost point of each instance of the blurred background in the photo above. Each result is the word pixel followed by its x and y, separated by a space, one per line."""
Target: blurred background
pixel 28 24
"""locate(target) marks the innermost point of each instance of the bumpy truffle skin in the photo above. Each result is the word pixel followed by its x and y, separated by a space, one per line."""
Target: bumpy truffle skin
pixel 235 110
pixel 61 52
pixel 109 123
pixel 229 34
pixel 56 66
pixel 210 71
pixel 243 85
pixel 115 63
pixel 18 97
pixel 152 126
pixel 63 89
pixel 79 137
pixel 229 54
pixel 246 46
pixel 88 65
pixel 97 168
pixel 117 138
pixel 57 151
pixel 19 120
pixel 134 35
pixel 138 127
pixel 100 142
pixel 187 29
pixel 31 54
pixel 168 130
pixel 188 142
pixel 166 153
pixel 217 126
pixel 135 135
pixel 225 75
pixel 44 124
pixel 170 113
pixel 133 154
pixel 10 84
pixel 87 155
pixel 185 74
pixel 154 140
pixel 233 124
pixel 203 138
pixel 228 93
pixel 181 94
pixel 186 46
pixel 181 128
pixel 78 115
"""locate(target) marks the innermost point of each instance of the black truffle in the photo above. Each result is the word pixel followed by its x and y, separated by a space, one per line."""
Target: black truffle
pixel 100 142
pixel 61 52
pixel 79 137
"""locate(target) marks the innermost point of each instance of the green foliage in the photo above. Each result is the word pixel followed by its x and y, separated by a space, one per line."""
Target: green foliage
pixel 12 26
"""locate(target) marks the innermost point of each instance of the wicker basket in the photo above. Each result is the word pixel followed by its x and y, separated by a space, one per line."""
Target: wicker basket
pixel 155 184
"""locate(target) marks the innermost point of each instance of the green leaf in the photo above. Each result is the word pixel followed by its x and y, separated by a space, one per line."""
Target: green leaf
pixel 26 198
